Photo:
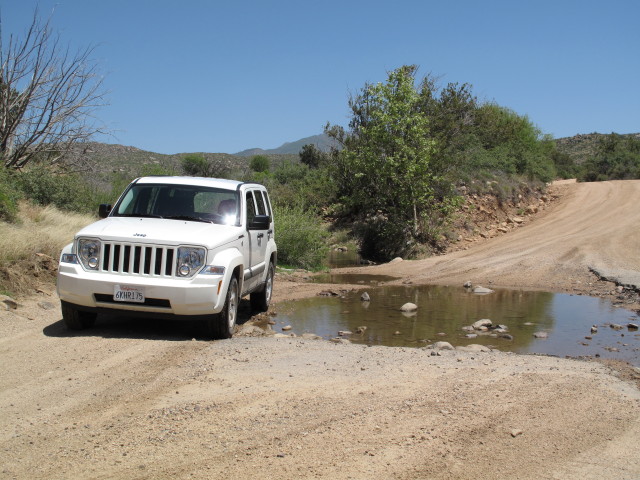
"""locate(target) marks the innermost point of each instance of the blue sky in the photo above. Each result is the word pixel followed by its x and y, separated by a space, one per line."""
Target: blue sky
pixel 213 76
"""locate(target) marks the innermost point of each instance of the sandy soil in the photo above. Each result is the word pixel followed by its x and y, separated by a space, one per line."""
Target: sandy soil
pixel 143 399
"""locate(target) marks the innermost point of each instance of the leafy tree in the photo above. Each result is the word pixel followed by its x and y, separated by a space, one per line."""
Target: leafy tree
pixel 48 97
pixel 259 163
pixel 196 165
pixel 311 156
pixel 384 172
pixel 511 143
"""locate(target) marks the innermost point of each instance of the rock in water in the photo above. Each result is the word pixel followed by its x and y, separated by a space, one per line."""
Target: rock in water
pixel 409 307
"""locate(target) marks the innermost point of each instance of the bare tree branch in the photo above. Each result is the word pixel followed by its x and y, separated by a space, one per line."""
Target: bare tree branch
pixel 48 97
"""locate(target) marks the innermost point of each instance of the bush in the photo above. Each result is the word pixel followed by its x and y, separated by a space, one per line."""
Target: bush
pixel 8 198
pixel 301 238
pixel 259 163
pixel 65 191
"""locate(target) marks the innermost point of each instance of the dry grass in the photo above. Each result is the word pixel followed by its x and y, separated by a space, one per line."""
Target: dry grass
pixel 29 250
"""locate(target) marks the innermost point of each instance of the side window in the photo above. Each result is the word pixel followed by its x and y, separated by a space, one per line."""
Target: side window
pixel 266 203
pixel 260 201
pixel 251 208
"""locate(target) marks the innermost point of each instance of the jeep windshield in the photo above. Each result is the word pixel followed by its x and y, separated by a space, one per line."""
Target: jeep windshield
pixel 180 202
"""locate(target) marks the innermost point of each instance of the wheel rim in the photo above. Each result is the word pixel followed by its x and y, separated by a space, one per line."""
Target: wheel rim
pixel 232 308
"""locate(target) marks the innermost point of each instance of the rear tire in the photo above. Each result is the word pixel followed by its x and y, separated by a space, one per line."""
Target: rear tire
pixel 260 300
pixel 76 319
pixel 223 324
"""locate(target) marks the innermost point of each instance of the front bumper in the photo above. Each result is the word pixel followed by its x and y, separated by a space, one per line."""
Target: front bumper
pixel 200 295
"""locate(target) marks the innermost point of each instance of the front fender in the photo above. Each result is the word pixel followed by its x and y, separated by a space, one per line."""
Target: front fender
pixel 231 259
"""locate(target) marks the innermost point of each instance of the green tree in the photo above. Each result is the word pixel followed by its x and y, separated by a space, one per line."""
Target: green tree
pixel 196 165
pixel 384 171
pixel 311 156
pixel 259 163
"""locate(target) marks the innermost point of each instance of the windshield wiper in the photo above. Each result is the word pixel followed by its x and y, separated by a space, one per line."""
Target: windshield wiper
pixel 189 218
pixel 141 215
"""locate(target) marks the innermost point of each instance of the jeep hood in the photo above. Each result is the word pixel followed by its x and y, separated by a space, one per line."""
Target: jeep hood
pixel 160 231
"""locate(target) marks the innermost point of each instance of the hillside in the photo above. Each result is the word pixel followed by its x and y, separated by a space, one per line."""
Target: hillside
pixel 581 147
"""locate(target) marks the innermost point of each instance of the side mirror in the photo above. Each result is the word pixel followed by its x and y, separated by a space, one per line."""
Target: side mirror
pixel 104 210
pixel 260 222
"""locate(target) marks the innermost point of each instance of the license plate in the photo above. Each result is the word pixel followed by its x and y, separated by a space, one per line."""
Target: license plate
pixel 125 293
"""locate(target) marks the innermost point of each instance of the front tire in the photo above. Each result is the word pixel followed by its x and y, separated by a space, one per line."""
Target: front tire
pixel 76 319
pixel 260 300
pixel 223 324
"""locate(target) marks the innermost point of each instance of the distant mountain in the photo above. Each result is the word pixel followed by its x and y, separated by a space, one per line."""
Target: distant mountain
pixel 322 142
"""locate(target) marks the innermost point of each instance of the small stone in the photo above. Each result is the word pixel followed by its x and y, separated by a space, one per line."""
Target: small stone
pixel 474 347
pixel 467 284
pixel 409 307
pixel 397 332
pixel 8 302
pixel 632 326
pixel 311 336
pixel 480 290
pixel 365 297
pixel 485 322
pixel 46 305
pixel 516 432
pixel 343 333
pixel 442 346
pixel 615 326
pixel 361 329
pixel 506 336
pixel 286 328
pixel 541 335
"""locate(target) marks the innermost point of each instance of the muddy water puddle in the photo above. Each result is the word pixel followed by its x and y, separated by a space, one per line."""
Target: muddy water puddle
pixel 442 313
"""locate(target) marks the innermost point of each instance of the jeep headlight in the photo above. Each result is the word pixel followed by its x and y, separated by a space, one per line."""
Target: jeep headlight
pixel 190 260
pixel 89 253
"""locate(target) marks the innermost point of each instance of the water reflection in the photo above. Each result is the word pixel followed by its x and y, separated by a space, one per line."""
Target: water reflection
pixel 443 311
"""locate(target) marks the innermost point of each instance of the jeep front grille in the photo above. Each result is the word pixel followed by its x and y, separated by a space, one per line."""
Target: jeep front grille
pixel 131 259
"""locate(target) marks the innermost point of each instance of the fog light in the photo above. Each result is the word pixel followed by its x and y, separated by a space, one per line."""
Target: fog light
pixel 93 262
pixel 184 270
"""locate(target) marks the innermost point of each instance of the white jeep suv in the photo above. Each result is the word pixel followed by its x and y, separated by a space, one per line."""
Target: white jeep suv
pixel 178 246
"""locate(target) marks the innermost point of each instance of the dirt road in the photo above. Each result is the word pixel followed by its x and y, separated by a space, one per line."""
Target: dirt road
pixel 593 226
pixel 143 399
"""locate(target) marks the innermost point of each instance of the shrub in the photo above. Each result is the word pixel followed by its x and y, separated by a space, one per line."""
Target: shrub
pixel 301 238
pixel 8 198
pixel 46 187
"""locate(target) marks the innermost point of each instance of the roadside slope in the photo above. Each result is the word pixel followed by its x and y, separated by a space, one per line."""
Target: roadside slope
pixel 594 225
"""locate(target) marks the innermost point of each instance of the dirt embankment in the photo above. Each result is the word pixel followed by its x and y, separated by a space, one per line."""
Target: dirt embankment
pixel 146 399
